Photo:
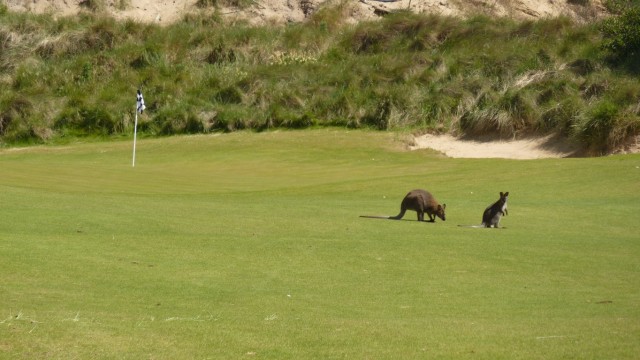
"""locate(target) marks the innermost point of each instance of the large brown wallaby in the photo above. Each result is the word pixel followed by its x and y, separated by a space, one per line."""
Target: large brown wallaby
pixel 494 212
pixel 420 201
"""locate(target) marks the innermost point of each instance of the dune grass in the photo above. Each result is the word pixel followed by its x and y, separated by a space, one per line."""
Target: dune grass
pixel 71 77
pixel 250 245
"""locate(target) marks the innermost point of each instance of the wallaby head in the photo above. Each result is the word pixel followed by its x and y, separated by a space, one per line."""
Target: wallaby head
pixel 504 196
pixel 440 211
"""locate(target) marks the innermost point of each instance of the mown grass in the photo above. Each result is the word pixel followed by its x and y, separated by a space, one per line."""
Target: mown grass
pixel 70 77
pixel 250 245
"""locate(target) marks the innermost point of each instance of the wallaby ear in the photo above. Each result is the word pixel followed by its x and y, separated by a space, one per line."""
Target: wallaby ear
pixel 506 194
pixel 444 206
pixel 501 194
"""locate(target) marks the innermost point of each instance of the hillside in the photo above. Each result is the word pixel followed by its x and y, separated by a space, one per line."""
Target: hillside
pixel 283 11
pixel 73 76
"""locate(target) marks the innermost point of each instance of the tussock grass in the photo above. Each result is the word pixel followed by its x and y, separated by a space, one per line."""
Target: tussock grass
pixel 405 71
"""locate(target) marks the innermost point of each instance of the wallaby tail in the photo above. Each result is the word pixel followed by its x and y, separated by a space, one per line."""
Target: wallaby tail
pixel 399 216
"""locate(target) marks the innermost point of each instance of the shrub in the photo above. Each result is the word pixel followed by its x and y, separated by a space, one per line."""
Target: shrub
pixel 617 7
pixel 621 34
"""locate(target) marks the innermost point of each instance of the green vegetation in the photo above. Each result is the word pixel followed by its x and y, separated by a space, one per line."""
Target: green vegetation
pixel 69 77
pixel 250 245
pixel 622 32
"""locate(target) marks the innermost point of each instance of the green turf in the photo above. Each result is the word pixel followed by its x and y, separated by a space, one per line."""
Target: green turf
pixel 251 246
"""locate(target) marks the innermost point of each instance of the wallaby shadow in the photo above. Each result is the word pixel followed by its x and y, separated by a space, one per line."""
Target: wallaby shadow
pixel 481 227
pixel 387 218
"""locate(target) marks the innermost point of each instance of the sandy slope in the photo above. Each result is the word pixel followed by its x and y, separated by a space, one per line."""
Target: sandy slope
pixel 282 11
pixel 531 148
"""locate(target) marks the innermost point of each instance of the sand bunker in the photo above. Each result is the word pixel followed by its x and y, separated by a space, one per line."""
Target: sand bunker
pixel 530 148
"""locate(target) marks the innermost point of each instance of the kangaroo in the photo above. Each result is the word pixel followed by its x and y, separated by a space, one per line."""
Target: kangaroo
pixel 420 201
pixel 494 212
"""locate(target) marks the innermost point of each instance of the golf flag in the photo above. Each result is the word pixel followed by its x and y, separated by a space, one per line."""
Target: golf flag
pixel 140 102
pixel 139 109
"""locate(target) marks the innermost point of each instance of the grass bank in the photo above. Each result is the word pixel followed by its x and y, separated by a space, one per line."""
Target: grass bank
pixel 70 77
pixel 250 245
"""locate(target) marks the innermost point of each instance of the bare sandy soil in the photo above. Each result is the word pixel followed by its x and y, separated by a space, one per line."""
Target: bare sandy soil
pixel 531 148
pixel 283 11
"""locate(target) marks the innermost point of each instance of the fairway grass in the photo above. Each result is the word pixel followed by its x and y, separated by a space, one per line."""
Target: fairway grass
pixel 250 245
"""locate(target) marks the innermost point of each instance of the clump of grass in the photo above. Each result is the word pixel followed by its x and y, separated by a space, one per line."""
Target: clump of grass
pixel 610 120
pixel 123 4
pixel 81 118
pixel 178 121
pixel 14 109
pixel 93 5
pixel 218 3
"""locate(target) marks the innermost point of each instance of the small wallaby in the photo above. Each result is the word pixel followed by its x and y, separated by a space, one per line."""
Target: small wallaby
pixel 420 201
pixel 494 212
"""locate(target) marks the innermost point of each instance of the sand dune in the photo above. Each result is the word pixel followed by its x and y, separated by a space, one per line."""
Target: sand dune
pixel 284 11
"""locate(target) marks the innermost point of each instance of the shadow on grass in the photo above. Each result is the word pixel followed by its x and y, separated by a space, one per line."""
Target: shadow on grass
pixel 388 218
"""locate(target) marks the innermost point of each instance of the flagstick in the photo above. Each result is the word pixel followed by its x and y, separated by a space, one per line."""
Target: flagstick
pixel 135 135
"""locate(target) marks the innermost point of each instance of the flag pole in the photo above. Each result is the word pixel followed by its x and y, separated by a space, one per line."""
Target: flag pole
pixel 139 109
pixel 135 135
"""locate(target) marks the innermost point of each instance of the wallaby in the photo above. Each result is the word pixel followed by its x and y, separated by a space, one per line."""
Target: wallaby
pixel 494 212
pixel 420 201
